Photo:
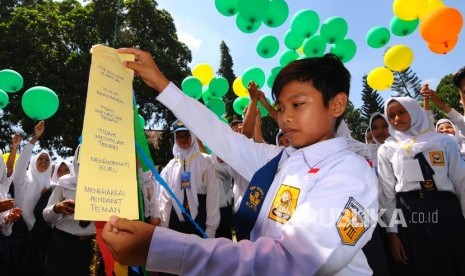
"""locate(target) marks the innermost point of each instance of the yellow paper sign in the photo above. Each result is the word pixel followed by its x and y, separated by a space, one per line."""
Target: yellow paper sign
pixel 107 182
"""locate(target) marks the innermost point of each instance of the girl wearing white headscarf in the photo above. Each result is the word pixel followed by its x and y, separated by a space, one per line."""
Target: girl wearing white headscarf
pixel 424 190
pixel 190 174
pixel 379 129
pixel 447 127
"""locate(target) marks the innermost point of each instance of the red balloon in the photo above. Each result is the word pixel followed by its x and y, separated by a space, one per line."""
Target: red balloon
pixel 442 25
pixel 443 48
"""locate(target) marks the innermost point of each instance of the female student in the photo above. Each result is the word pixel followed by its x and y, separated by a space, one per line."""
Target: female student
pixel 191 176
pixel 447 127
pixel 421 174
pixel 296 231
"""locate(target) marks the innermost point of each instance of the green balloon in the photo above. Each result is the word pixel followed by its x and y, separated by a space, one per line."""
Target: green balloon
pixel 401 27
pixel 247 26
pixel 314 46
pixel 262 109
pixel 255 74
pixel 292 40
pixel 253 11
pixel 227 7
pixel 344 49
pixel 141 121
pixel 288 56
pixel 206 95
pixel 10 81
pixel 192 87
pixel 272 76
pixel 216 105
pixel 224 120
pixel 305 23
pixel 267 46
pixel 278 12
pixel 378 37
pixel 239 104
pixel 334 29
pixel 218 86
pixel 4 99
pixel 39 103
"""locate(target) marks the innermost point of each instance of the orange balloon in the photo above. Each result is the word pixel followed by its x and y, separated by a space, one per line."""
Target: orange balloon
pixel 443 48
pixel 441 25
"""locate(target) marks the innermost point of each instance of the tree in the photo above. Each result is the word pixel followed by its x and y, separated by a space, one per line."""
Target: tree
pixel 355 122
pixel 407 83
pixel 227 72
pixel 372 101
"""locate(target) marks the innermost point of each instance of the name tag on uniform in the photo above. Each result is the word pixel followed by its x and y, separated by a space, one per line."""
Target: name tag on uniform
pixel 185 180
pixel 412 170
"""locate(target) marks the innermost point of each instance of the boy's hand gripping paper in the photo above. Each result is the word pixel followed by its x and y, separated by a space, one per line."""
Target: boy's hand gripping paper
pixel 107 182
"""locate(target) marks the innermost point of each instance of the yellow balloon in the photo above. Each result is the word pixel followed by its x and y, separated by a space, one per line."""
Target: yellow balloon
pixel 398 58
pixel 239 89
pixel 431 7
pixel 380 78
pixel 6 155
pixel 204 72
pixel 409 9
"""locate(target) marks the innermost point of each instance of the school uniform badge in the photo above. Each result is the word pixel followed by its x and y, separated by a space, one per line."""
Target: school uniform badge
pixel 256 195
pixel 284 204
pixel 353 222
pixel 437 158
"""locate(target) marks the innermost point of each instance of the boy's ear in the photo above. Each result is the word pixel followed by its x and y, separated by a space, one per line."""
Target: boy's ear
pixel 339 104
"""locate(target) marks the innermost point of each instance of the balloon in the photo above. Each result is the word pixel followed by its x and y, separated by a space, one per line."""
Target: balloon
pixel 204 72
pixel 142 121
pixel 239 104
pixel 401 27
pixel 272 76
pixel 287 56
pixel 398 58
pixel 192 87
pixel 224 120
pixel 441 25
pixel 344 50
pixel 292 40
pixel 278 12
pixel 305 23
pixel 315 46
pixel 267 46
pixel 380 78
pixel 227 7
pixel 6 155
pixel 3 99
pixel 206 95
pixel 216 105
pixel 333 29
pixel 253 11
pixel 378 37
pixel 10 81
pixel 263 111
pixel 39 103
pixel 443 48
pixel 409 9
pixel 239 89
pixel 246 26
pixel 218 86
pixel 255 74
pixel 431 6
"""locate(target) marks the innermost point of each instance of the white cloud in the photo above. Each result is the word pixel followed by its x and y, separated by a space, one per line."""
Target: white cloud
pixel 191 42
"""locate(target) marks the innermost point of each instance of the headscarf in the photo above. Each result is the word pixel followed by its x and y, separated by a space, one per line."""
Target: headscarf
pixel 57 166
pixel 353 145
pixel 41 179
pixel 279 134
pixel 418 138
pixel 372 117
pixel 457 137
pixel 70 180
pixel 189 157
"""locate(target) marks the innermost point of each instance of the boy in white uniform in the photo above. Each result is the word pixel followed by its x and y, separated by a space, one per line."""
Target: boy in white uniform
pixel 315 217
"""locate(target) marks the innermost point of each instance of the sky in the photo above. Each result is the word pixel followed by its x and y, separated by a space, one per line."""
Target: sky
pixel 202 28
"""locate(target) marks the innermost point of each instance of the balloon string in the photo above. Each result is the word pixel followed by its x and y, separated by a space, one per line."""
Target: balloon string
pixel 163 183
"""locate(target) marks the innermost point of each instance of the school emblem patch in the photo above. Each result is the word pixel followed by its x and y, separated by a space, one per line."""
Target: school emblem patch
pixel 353 222
pixel 284 203
pixel 437 158
pixel 255 197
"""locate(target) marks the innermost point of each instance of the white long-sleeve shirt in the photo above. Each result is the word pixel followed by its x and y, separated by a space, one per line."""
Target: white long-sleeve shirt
pixel 325 189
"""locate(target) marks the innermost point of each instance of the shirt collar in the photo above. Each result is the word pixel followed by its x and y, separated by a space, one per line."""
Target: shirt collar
pixel 316 153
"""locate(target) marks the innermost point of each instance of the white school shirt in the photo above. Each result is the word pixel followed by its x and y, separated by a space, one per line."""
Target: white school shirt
pixel 150 192
pixel 208 186
pixel 224 175
pixel 327 183
pixel 444 158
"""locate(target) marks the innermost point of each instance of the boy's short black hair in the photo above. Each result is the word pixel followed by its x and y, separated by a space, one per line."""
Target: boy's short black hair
pixel 327 74
pixel 458 77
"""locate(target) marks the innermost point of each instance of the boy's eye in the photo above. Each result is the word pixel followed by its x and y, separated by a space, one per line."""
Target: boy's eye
pixel 297 104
